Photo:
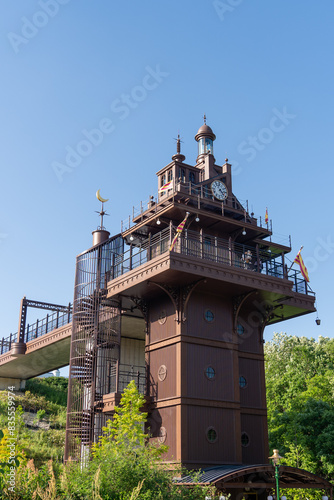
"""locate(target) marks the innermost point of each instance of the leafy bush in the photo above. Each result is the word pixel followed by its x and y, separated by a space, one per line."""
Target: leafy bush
pixel 53 388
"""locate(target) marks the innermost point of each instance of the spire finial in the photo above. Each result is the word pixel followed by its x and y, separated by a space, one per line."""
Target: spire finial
pixel 102 212
pixel 178 144
pixel 204 119
pixel 178 156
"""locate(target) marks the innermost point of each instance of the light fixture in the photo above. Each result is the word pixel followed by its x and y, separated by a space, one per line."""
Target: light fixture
pixel 324 497
pixel 317 320
pixel 197 218
pixel 283 497
pixel 269 497
pixel 244 232
pixel 158 222
pixel 131 238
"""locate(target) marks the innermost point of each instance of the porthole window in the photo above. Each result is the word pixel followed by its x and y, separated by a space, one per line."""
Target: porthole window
pixel 162 435
pixel 244 439
pixel 162 373
pixel 211 435
pixel 240 329
pixel 162 317
pixel 209 316
pixel 242 382
pixel 210 373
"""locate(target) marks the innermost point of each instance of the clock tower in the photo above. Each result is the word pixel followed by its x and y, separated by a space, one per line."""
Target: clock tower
pixel 191 282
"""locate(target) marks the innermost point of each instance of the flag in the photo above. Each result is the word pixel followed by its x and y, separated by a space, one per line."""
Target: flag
pixel 166 186
pixel 266 218
pixel 303 270
pixel 179 230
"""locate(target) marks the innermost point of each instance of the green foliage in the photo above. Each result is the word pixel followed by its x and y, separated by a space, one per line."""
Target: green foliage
pixel 300 398
pixel 124 465
pixel 40 445
pixel 53 388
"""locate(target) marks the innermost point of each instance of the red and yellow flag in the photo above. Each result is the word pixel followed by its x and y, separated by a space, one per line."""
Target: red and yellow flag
pixel 266 218
pixel 166 186
pixel 179 230
pixel 303 270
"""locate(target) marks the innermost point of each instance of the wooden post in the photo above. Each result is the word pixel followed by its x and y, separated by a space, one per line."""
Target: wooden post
pixel 130 263
pixel 257 258
pixel 149 257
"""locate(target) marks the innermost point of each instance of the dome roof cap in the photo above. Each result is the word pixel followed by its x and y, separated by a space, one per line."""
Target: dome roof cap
pixel 205 131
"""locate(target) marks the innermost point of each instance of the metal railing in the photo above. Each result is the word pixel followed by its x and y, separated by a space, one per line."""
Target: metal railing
pixel 37 329
pixel 204 246
pixel 132 372
pixel 201 195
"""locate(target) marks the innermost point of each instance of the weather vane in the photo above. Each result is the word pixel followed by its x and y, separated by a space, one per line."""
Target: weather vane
pixel 102 212
pixel 178 143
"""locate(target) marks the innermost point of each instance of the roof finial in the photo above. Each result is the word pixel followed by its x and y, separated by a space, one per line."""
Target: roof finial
pixel 178 144
pixel 102 212
pixel 178 156
pixel 204 118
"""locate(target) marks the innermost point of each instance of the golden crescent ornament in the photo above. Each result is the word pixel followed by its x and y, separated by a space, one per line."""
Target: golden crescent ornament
pixel 99 197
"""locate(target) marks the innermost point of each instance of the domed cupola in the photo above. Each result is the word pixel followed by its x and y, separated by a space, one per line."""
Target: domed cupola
pixel 205 138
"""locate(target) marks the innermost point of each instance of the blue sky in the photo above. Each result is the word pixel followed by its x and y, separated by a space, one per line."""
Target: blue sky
pixel 142 72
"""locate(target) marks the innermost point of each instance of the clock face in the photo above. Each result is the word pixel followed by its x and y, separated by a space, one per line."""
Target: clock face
pixel 219 190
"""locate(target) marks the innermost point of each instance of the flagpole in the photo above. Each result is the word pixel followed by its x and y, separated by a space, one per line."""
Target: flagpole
pixel 301 248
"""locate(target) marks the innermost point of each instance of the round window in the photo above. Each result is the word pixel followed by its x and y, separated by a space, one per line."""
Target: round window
pixel 244 439
pixel 162 317
pixel 162 373
pixel 211 435
pixel 209 316
pixel 210 373
pixel 240 329
pixel 242 382
pixel 162 435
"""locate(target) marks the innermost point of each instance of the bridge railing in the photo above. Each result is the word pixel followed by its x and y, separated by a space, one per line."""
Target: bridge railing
pixel 47 324
pixel 6 343
pixel 37 329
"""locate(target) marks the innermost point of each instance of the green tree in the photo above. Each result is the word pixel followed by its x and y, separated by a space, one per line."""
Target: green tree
pixel 124 464
pixel 300 400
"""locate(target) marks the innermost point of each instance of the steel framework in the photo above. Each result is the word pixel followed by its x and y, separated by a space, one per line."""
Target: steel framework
pixel 95 348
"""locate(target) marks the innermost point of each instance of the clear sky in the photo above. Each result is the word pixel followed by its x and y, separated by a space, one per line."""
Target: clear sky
pixel 141 72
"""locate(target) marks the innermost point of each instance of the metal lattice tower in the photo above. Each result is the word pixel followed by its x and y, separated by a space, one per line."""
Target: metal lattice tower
pixel 95 347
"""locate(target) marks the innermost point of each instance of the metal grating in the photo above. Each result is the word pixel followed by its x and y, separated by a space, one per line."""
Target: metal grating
pixel 95 348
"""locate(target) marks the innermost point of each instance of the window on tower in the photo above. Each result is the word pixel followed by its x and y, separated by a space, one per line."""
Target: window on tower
pixel 208 145
pixel 242 382
pixel 211 435
pixel 210 373
pixel 182 175
pixel 162 180
pixel 244 439
pixel 192 177
pixel 170 175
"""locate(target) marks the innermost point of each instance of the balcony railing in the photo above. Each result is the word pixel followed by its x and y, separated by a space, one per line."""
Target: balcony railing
pixel 200 195
pixel 119 378
pixel 207 247
pixel 37 329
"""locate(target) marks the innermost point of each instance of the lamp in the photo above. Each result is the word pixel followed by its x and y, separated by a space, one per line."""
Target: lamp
pixel 276 458
pixel 317 320
pixel 131 238
pixel 197 218
pixel 244 232
pixel 158 222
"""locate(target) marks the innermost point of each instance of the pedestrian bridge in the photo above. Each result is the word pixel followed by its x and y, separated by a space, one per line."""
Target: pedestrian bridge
pixel 38 348
pixel 45 345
